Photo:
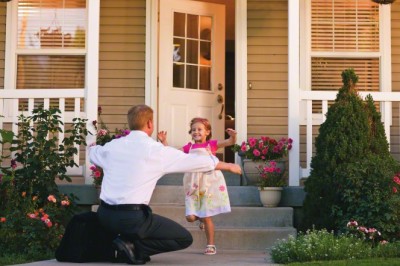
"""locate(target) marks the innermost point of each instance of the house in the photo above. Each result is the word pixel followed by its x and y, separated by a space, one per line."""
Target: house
pixel 265 67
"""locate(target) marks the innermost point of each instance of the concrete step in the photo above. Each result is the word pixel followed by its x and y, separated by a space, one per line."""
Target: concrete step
pixel 238 195
pixel 241 238
pixel 175 179
pixel 249 217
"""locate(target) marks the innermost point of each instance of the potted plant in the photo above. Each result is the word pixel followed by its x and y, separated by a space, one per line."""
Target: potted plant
pixel 271 179
pixel 255 152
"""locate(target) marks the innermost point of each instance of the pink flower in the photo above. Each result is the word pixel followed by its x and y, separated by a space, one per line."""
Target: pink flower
pixel 394 189
pixel 252 142
pixel 102 132
pixel 51 198
pixel 32 215
pixel 65 203
pixel 93 167
pixel 48 223
pixel 221 188
pixel 256 153
pixel 13 164
pixel 243 147
pixel 383 242
pixel 352 224
pixel 362 229
pixel 97 174
pixel 3 219
pixel 396 179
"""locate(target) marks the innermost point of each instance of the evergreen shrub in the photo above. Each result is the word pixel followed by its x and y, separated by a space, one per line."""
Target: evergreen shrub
pixel 352 170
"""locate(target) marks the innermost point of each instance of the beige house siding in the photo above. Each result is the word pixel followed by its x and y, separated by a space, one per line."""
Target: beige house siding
pixel 395 130
pixel 122 58
pixel 3 12
pixel 267 68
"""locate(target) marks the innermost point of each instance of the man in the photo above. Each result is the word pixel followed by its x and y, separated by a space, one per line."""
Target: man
pixel 132 166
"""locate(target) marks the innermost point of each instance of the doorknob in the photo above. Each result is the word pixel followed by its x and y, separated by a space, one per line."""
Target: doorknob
pixel 220 99
pixel 222 110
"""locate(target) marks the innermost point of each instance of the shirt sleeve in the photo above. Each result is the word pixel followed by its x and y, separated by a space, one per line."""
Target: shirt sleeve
pixel 97 155
pixel 214 146
pixel 186 148
pixel 176 161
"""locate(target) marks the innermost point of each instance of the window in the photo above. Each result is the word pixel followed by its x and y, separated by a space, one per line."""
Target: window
pixel 51 44
pixel 344 34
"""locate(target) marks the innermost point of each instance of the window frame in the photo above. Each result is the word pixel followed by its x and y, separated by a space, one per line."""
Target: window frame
pixel 12 50
pixel 384 53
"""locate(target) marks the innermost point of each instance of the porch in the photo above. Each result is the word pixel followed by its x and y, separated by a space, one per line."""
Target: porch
pixel 73 103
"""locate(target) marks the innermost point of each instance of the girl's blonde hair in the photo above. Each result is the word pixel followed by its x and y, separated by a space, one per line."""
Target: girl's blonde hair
pixel 205 122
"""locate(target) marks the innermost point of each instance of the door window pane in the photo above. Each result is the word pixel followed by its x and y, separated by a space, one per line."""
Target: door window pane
pixel 179 76
pixel 179 24
pixel 191 78
pixel 205 80
pixel 193 26
pixel 205 28
pixel 192 52
pixel 179 50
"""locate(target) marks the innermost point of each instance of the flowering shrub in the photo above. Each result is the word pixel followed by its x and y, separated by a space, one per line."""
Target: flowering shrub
pixel 371 235
pixel 271 175
pixel 33 213
pixel 264 148
pixel 103 136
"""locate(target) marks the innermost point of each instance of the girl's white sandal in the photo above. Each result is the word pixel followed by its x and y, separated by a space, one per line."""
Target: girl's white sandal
pixel 210 250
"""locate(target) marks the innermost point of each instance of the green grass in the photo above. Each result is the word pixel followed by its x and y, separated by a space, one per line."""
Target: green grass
pixel 364 262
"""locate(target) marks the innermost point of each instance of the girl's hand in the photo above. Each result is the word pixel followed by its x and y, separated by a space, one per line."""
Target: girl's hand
pixel 162 136
pixel 231 132
pixel 236 169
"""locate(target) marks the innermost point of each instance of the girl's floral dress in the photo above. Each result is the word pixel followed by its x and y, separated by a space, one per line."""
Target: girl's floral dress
pixel 206 194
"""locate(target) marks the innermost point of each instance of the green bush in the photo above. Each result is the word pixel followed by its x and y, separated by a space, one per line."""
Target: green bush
pixel 33 213
pixel 318 245
pixel 321 245
pixel 352 170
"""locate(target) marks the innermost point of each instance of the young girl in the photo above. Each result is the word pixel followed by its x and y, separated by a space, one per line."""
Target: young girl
pixel 206 194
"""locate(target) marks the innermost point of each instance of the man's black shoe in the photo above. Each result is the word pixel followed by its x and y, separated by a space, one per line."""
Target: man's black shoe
pixel 128 249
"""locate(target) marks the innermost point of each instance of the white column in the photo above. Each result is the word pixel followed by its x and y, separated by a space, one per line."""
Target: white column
pixel 241 70
pixel 92 77
pixel 293 90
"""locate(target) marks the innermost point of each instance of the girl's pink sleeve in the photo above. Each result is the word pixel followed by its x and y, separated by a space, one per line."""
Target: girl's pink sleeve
pixel 214 146
pixel 186 148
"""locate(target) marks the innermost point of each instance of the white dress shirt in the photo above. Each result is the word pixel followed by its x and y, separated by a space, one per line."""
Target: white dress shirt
pixel 132 165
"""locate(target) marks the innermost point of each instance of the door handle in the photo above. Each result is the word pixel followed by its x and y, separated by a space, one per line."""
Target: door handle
pixel 222 110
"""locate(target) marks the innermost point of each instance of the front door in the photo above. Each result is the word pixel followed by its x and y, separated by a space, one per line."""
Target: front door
pixel 191 67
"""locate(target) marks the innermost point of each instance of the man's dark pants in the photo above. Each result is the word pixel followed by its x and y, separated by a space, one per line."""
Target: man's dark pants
pixel 150 233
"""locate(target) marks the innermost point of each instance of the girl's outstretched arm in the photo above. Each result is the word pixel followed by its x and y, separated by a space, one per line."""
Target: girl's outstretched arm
pixel 231 167
pixel 229 141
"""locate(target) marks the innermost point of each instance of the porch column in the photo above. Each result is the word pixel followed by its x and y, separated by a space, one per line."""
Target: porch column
pixel 294 90
pixel 92 78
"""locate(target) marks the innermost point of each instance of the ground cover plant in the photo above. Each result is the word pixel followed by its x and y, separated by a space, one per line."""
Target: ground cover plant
pixel 33 213
pixel 321 245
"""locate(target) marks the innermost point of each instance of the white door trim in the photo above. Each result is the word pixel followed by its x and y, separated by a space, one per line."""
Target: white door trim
pixel 151 72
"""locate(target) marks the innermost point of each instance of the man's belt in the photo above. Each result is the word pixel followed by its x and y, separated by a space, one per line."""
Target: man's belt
pixel 124 207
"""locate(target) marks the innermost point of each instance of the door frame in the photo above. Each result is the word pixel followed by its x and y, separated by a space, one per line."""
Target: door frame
pixel 151 64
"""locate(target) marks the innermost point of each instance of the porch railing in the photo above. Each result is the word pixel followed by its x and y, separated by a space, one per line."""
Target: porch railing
pixel 310 119
pixel 10 109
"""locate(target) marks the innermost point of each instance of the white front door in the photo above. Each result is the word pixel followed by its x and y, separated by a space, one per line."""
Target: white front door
pixel 191 67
